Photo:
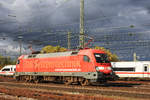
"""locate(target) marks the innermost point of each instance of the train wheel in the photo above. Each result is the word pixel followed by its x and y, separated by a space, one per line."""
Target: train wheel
pixel 67 82
pixel 17 78
pixel 26 80
pixel 36 81
pixel 84 82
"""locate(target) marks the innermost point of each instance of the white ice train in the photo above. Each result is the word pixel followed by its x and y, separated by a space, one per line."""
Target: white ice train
pixel 131 69
pixel 8 70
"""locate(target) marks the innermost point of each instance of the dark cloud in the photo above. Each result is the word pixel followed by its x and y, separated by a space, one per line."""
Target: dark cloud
pixel 46 13
pixel 141 3
pixel 33 17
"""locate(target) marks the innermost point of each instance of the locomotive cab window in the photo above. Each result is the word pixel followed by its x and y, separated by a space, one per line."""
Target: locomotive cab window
pixel 18 61
pixel 86 58
pixel 101 58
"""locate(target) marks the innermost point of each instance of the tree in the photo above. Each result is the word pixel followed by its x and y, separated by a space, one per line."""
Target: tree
pixel 6 61
pixel 51 49
pixel 112 57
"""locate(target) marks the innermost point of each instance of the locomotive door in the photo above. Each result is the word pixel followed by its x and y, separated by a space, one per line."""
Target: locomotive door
pixel 36 62
pixel 146 70
pixel 87 63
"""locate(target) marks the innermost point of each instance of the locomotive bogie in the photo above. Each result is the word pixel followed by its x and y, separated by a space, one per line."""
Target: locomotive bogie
pixel 63 79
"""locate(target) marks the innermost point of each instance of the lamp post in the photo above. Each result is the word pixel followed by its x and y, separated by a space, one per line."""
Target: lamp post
pixel 69 43
pixel 19 37
pixel 82 24
pixel 12 16
pixel 20 44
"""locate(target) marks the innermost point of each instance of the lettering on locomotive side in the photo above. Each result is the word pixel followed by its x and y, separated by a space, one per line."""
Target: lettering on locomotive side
pixel 28 63
pixel 68 70
pixel 47 64
pixel 52 65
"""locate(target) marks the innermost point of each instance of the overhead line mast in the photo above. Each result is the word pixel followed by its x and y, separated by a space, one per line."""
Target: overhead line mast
pixel 81 24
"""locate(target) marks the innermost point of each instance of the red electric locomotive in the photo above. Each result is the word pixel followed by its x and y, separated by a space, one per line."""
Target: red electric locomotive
pixel 83 66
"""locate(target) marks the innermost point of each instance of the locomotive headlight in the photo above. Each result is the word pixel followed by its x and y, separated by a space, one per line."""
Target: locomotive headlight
pixel 109 68
pixel 99 68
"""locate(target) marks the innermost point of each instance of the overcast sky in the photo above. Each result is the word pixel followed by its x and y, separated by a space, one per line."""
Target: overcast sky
pixel 25 15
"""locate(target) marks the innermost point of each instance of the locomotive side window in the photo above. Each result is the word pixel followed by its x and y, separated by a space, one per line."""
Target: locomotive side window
pixel 32 56
pixel 145 68
pixel 86 59
pixel 124 69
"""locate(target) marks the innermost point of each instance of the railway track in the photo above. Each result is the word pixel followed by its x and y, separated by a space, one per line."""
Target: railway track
pixel 87 90
pixel 133 89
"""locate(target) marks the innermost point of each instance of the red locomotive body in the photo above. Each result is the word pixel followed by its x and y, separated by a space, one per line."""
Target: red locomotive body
pixel 83 66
